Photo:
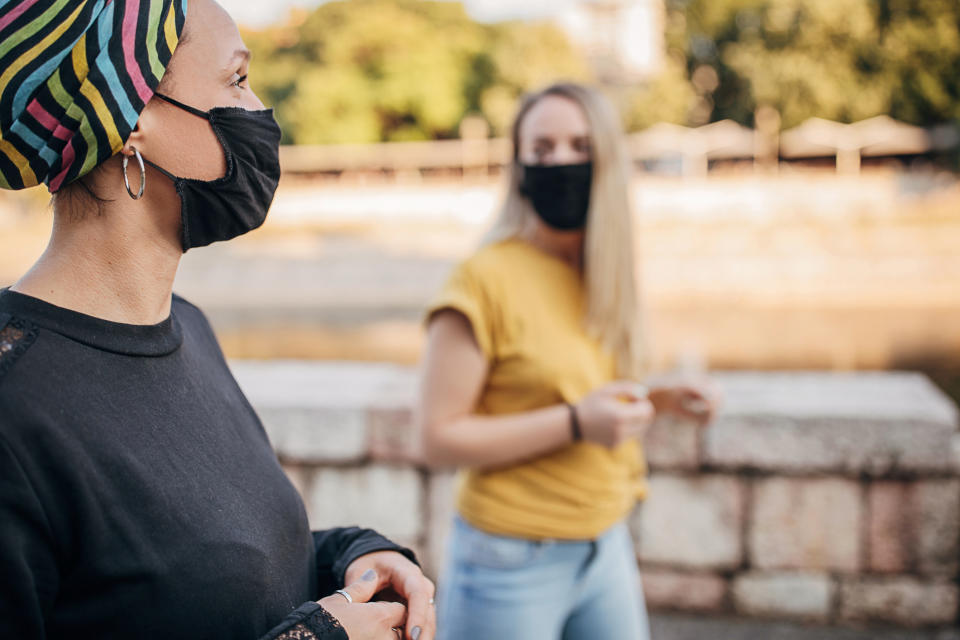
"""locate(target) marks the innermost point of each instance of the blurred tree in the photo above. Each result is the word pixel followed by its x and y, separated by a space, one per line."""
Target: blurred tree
pixel 524 57
pixel 668 97
pixel 840 59
pixel 372 70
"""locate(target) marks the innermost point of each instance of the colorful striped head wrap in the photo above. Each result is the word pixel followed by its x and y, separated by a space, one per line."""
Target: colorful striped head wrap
pixel 74 77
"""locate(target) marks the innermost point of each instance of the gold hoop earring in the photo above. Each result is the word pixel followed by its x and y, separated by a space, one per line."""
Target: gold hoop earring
pixel 143 175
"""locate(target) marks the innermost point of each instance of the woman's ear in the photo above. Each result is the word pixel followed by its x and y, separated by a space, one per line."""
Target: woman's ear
pixel 148 124
pixel 134 141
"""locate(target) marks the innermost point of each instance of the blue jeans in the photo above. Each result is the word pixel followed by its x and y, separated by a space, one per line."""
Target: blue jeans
pixel 502 588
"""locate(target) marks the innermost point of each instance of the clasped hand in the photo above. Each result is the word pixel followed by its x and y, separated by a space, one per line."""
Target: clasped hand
pixel 404 608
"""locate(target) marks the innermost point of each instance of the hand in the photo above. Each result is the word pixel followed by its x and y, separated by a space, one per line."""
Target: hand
pixel 699 402
pixel 362 619
pixel 397 574
pixel 615 413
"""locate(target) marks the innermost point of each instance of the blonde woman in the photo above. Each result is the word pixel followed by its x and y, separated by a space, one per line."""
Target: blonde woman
pixel 529 385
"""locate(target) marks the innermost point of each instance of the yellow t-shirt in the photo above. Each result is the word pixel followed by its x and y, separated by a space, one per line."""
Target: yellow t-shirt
pixel 527 309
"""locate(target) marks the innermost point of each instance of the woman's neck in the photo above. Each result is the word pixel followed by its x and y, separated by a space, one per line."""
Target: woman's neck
pixel 563 245
pixel 111 266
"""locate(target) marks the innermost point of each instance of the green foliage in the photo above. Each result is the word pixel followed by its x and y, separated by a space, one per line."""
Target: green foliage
pixel 839 59
pixel 373 70
pixel 669 97
pixel 376 70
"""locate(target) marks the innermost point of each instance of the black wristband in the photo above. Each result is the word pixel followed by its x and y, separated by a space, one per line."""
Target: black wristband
pixel 575 423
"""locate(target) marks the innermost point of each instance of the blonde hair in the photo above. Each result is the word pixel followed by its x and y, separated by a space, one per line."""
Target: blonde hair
pixel 613 313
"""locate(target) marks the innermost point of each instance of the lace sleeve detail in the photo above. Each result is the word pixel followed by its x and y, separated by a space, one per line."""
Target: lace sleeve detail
pixel 309 622
pixel 320 624
pixel 16 336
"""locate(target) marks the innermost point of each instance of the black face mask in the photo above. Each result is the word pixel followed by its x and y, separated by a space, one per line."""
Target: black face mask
pixel 221 209
pixel 560 194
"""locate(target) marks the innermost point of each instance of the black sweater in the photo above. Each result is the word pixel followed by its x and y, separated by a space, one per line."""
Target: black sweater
pixel 139 495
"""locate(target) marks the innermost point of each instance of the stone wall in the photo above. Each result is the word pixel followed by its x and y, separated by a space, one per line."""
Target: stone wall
pixel 823 498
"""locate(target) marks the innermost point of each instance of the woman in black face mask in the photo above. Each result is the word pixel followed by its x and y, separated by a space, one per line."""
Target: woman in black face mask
pixel 531 384
pixel 139 496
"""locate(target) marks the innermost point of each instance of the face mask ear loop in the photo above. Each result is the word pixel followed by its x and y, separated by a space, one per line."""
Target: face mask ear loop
pixel 185 107
pixel 160 169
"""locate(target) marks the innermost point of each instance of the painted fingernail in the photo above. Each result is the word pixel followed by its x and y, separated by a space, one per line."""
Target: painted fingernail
pixel 368 575
pixel 415 633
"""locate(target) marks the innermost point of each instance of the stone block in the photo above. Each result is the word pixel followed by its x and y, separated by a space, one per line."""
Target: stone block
pixel 440 512
pixel 316 435
pixel 392 436
pixel 318 412
pixel 671 590
pixel 386 498
pixel 325 384
pixel 806 596
pixel 872 423
pixel 902 601
pixel 888 536
pixel 914 527
pixel 678 626
pixel 692 522
pixel 937 516
pixel 673 444
pixel 300 478
pixel 806 524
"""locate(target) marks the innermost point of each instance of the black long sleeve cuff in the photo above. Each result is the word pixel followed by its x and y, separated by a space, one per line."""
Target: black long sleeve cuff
pixel 336 549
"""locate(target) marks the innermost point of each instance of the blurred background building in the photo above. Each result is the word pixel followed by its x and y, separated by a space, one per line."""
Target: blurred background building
pixel 622 39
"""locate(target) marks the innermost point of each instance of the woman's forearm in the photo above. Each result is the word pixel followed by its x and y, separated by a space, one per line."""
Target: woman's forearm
pixel 496 441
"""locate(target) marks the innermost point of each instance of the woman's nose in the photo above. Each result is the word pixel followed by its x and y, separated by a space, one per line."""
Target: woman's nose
pixel 566 154
pixel 252 102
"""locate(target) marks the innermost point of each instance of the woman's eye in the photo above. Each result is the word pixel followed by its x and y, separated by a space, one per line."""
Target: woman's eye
pixel 238 83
